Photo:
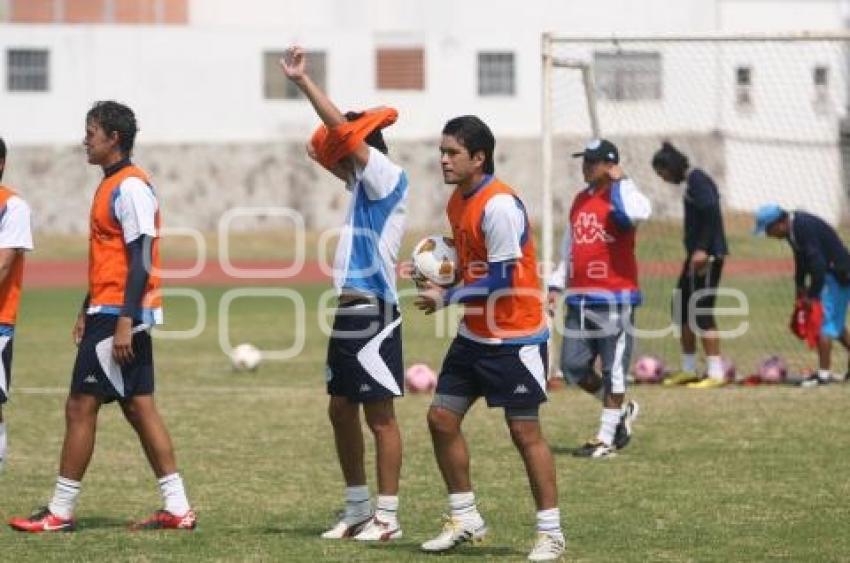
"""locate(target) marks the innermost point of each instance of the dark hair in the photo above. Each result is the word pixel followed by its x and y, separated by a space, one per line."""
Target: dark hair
pixel 375 139
pixel 670 159
pixel 115 117
pixel 2 149
pixel 473 134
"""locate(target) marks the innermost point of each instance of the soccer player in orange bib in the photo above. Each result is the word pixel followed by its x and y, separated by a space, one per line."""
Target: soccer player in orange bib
pixel 114 354
pixel 500 352
pixel 15 239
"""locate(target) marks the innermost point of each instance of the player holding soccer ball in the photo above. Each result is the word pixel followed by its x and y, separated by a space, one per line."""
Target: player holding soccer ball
pixel 820 256
pixel 598 269
pixel 15 238
pixel 705 243
pixel 500 350
pixel 364 353
pixel 114 351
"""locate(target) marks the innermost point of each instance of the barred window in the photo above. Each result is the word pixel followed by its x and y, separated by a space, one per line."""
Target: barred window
pixel 27 70
pixel 495 74
pixel 277 87
pixel 628 76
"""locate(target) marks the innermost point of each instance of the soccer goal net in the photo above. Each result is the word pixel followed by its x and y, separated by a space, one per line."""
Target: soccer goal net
pixel 764 116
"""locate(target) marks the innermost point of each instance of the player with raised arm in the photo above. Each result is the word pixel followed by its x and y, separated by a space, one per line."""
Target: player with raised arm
pixel 114 349
pixel 500 352
pixel 364 364
pixel 15 239
pixel 598 270
pixel 696 290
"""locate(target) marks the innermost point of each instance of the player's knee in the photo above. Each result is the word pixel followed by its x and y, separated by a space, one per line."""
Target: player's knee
pixel 576 371
pixel 443 422
pixel 524 434
pixel 79 408
pixel 381 422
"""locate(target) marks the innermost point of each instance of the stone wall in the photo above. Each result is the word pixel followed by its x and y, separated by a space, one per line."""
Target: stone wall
pixel 197 183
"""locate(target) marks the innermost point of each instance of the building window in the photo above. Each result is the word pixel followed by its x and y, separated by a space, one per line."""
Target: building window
pixel 628 76
pixel 820 81
pixel 277 87
pixel 495 74
pixel 27 70
pixel 400 69
pixel 743 87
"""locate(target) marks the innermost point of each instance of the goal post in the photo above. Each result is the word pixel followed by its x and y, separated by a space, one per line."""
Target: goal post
pixel 765 115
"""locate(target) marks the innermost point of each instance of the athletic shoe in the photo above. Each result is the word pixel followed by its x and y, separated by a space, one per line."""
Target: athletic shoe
pixel 814 380
pixel 42 520
pixel 680 378
pixel 164 520
pixel 377 530
pixel 707 383
pixel 595 448
pixel 548 547
pixel 455 532
pixel 347 527
pixel 623 434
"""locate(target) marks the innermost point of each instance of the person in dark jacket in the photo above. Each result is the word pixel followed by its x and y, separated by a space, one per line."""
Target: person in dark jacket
pixel 820 256
pixel 705 246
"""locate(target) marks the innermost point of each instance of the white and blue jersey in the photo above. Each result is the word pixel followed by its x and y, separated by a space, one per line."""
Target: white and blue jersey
pixel 367 252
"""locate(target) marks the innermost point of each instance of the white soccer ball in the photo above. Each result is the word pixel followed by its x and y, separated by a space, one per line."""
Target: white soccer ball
pixel 435 259
pixel 246 357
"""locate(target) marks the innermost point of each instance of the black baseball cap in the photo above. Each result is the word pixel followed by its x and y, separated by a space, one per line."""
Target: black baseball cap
pixel 599 150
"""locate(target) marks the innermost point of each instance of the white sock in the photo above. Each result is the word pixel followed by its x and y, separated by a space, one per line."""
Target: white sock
pixel 824 374
pixel 386 508
pixel 714 367
pixel 174 495
pixel 357 501
pixel 608 425
pixel 549 521
pixel 2 443
pixel 463 505
pixel 64 497
pixel 689 363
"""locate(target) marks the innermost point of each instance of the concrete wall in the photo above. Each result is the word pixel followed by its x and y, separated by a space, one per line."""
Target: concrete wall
pixel 198 183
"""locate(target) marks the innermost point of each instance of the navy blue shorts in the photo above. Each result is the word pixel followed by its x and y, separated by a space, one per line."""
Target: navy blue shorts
pixel 506 375
pixel 97 373
pixel 6 342
pixel 364 353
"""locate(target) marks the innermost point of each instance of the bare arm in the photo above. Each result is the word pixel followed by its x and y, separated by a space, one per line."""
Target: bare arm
pixel 294 64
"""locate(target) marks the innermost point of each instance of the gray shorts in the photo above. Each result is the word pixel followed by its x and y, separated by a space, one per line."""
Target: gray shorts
pixel 598 331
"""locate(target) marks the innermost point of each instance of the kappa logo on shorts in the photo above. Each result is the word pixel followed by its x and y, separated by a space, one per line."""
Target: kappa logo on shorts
pixel 521 390
pixel 90 378
pixel 365 388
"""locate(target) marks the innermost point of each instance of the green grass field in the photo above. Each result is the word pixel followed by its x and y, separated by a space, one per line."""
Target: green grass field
pixel 737 474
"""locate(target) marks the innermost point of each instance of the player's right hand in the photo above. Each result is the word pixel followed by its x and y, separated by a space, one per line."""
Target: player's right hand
pixel 79 328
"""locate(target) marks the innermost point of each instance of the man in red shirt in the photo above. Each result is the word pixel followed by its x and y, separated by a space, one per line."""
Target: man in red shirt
pixel 598 270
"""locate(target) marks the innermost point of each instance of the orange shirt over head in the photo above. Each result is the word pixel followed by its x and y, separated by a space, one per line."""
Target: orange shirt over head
pixel 108 262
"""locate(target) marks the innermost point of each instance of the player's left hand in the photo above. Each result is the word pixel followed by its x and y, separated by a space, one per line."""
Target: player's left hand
pixel 699 262
pixel 431 297
pixel 122 341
